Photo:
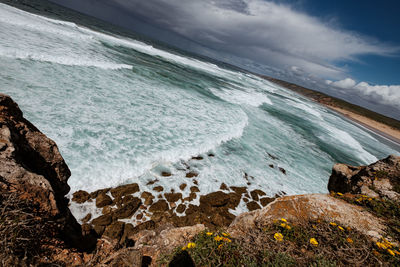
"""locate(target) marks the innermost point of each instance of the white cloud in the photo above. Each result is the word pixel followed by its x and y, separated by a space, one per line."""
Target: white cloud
pixel 263 31
pixel 383 94
pixel 346 83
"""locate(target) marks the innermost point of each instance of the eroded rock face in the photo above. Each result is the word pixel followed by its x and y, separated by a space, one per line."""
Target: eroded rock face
pixel 31 164
pixel 303 208
pixel 381 178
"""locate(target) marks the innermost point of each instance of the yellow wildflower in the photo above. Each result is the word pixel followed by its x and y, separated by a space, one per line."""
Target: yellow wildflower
pixel 349 240
pixel 313 242
pixel 209 233
pixel 391 252
pixel 284 220
pixel 278 237
pixel 218 238
pixel 227 240
pixel 191 245
pixel 339 194
pixel 220 246
pixel 184 248
pixel 288 227
pixel 225 234
pixel 369 199
pixel 381 245
pixel 395 251
pixel 315 227
pixel 283 225
pixel 333 224
pixel 341 228
pixel 348 228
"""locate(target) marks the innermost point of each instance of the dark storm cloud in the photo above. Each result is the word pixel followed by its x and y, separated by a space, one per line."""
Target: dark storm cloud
pixel 261 31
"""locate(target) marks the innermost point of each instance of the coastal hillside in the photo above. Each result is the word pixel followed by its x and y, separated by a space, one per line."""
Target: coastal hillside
pixel 356 224
pixel 345 108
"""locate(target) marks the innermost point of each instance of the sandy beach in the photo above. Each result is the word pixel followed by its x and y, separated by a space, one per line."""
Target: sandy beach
pixel 380 128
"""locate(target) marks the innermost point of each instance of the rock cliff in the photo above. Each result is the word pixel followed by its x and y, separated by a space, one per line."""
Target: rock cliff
pixel 363 203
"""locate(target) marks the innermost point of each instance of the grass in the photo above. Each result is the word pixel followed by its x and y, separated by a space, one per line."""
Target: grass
pixel 312 243
pixel 23 231
pixel 384 208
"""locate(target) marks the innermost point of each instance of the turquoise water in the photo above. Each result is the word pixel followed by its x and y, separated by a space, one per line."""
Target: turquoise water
pixel 123 111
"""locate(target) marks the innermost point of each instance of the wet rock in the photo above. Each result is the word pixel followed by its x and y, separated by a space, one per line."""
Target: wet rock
pixel 166 174
pixel 224 187
pixel 215 199
pixel 158 188
pixel 152 182
pixel 245 200
pixel 94 194
pixel 86 218
pixel 282 170
pixel 195 182
pixel 127 210
pixel 266 200
pixel 103 200
pixel 123 190
pixel 159 206
pixel 211 155
pixel 255 194
pixel 253 206
pixel 234 200
pixel 139 216
pixel 107 210
pixel 198 158
pixel 148 198
pixel 102 220
pixel 172 197
pixel 182 186
pixel 194 189
pixel 239 190
pixel 272 156
pixel 181 208
pixel 114 230
pixel 80 196
pixel 271 166
pixel 192 196
pixel 191 174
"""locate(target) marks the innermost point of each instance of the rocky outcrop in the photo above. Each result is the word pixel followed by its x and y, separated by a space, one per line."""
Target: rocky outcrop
pixel 303 208
pixel 32 166
pixel 381 178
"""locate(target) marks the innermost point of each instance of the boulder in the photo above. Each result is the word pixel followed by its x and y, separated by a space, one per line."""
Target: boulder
pixel 124 190
pixel 114 230
pixel 159 206
pixel 253 206
pixel 381 178
pixel 172 197
pixel 103 200
pixel 128 209
pixel 215 199
pixel 80 196
pixel 303 208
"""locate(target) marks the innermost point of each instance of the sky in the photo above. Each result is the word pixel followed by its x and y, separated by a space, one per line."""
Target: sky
pixel 348 49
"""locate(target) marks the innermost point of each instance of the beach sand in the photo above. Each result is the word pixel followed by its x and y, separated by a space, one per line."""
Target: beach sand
pixel 378 127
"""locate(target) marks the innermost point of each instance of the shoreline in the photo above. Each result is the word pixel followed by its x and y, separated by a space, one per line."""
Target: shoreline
pixel 382 126
pixel 378 128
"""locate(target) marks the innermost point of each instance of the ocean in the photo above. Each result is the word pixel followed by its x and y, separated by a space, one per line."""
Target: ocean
pixel 123 109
